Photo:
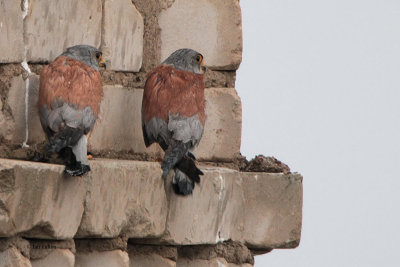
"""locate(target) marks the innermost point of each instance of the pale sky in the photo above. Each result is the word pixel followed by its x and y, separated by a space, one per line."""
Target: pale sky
pixel 320 88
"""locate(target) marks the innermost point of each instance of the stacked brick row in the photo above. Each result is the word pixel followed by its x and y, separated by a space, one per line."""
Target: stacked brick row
pixel 135 36
pixel 118 252
pixel 121 198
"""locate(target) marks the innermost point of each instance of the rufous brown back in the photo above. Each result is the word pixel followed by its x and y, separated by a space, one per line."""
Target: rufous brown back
pixel 72 81
pixel 170 90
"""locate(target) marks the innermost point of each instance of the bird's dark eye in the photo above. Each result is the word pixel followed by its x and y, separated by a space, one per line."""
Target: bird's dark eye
pixel 199 58
pixel 98 55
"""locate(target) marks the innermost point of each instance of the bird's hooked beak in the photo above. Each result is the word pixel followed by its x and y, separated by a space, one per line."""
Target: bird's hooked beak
pixel 102 62
pixel 203 67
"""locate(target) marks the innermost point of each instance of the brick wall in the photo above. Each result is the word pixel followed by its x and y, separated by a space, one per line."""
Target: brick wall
pixel 122 213
pixel 135 36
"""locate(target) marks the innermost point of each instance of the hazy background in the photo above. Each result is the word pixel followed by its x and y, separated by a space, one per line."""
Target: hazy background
pixel 320 87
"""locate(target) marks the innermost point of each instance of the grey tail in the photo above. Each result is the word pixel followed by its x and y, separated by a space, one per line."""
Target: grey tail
pixel 188 166
pixel 179 158
pixel 175 152
pixel 67 136
pixel 182 184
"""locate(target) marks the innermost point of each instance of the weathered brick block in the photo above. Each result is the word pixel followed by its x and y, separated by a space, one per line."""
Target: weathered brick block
pixel 262 210
pixel 223 129
pixel 36 200
pixel 120 126
pixel 150 260
pixel 16 100
pixel 229 252
pixel 5 124
pixel 215 262
pixel 12 257
pixel 123 35
pixel 52 26
pixel 276 199
pixel 118 200
pixel 58 257
pixel 11 32
pixel 149 255
pixel 211 215
pixel 114 258
pixel 212 27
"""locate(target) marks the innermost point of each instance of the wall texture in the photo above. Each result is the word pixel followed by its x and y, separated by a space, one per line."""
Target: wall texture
pixel 122 213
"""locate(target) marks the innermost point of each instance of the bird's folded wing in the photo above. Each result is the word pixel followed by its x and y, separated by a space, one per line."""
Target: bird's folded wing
pixel 177 98
pixel 70 93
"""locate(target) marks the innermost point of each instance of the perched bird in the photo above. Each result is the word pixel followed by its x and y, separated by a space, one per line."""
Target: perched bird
pixel 69 100
pixel 173 115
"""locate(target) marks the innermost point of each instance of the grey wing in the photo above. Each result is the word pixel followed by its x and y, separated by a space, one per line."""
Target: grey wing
pixel 147 139
pixel 185 134
pixel 61 120
pixel 179 128
pixel 156 130
pixel 62 114
pixel 186 129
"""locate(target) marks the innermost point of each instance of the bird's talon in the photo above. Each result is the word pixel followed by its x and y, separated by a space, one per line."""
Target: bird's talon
pixel 77 169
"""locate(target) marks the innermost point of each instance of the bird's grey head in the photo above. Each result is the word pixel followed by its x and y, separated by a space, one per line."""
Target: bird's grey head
pixel 186 59
pixel 86 54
